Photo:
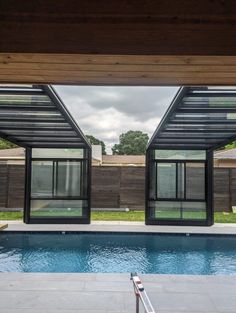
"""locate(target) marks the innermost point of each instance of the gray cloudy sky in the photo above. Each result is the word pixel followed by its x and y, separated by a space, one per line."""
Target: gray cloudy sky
pixel 106 112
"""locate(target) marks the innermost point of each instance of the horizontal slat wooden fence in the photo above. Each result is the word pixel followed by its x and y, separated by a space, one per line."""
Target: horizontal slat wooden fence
pixel 115 187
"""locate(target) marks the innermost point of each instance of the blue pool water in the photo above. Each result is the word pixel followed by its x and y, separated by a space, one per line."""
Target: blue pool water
pixel 117 253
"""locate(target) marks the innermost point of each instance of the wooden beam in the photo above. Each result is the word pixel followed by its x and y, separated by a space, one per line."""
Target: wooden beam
pixel 117 69
pixel 125 42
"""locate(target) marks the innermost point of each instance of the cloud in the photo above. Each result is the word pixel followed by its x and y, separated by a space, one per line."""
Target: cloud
pixel 106 112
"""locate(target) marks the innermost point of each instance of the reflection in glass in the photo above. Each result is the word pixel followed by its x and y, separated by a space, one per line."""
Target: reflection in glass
pixel 195 181
pixel 58 153
pixel 194 210
pixel 180 154
pixel 166 180
pixel 59 185
pixel 167 209
pixel 42 179
pixel 68 178
pixel 57 208
pixel 180 182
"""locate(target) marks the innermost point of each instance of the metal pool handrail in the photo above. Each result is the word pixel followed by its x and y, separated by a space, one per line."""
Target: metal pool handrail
pixel 141 294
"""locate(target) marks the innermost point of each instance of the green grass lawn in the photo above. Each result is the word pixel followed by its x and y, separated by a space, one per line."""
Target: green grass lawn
pixel 11 215
pixel 135 216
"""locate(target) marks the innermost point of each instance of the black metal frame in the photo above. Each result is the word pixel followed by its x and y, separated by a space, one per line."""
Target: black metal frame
pixel 156 161
pixel 197 119
pixel 149 220
pixel 85 219
pixel 41 120
pixel 209 101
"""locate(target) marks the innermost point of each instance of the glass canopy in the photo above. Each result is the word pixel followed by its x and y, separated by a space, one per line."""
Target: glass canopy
pixel 198 117
pixel 180 155
pixel 36 117
pixel 58 155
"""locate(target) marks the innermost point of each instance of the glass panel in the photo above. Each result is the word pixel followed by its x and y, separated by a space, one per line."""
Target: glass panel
pixel 57 208
pixel 195 134
pixel 178 210
pixel 37 125
pixel 180 186
pixel 194 210
pixel 41 179
pixel 22 99
pixel 221 102
pixel 201 116
pixel 48 139
pixel 195 181
pixel 166 180
pixel 180 154
pixel 32 114
pixel 68 179
pixel 167 210
pixel 58 153
pixel 231 116
pixel 152 182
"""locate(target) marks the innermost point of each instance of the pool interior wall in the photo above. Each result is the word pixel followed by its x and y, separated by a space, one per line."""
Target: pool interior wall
pixel 94 252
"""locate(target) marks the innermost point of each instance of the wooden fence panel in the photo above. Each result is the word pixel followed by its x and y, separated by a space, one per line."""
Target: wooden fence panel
pixel 115 186
pixel 132 187
pixel 105 187
pixel 16 186
pixel 3 186
pixel 222 189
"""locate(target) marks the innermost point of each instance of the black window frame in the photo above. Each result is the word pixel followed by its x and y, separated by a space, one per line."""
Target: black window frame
pixel 209 220
pixel 176 162
pixel 82 161
pixel 86 211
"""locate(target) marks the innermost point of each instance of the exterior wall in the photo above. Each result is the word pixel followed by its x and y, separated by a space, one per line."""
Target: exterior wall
pixel 105 187
pixel 222 200
pixel 16 186
pixel 228 163
pixel 12 183
pixel 3 185
pixel 114 187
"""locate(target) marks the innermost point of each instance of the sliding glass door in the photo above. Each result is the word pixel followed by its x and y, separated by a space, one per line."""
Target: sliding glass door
pixel 177 186
pixel 59 187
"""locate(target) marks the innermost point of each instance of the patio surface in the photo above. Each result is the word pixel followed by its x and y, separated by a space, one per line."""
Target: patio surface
pixel 122 227
pixel 113 293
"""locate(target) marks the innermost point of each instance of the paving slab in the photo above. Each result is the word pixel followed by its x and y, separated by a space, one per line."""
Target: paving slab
pixel 123 227
pixel 113 293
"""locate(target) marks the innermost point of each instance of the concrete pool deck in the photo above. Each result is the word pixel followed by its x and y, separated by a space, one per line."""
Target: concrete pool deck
pixel 122 227
pixel 113 293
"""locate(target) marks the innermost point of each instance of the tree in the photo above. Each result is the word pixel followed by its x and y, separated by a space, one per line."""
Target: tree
pixel 230 146
pixel 4 144
pixel 133 142
pixel 95 141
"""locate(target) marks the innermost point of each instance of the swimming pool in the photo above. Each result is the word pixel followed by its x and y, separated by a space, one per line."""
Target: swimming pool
pixel 117 253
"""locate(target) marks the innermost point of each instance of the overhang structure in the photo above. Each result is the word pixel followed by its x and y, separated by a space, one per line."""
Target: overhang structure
pixel 180 155
pixel 58 155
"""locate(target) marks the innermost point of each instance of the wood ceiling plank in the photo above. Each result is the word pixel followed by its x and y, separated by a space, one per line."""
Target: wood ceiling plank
pixel 116 74
pixel 135 68
pixel 126 81
pixel 38 58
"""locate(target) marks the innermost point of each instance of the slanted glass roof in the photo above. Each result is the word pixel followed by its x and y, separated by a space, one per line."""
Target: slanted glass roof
pixel 198 118
pixel 35 116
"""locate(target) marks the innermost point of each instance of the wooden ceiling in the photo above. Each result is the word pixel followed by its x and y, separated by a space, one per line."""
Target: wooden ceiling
pixel 125 42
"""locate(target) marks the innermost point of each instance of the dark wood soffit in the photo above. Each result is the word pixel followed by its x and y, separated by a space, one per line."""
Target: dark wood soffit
pixel 81 69
pixel 129 27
